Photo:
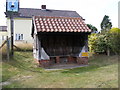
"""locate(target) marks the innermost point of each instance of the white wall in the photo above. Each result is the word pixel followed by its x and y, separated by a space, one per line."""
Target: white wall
pixel 22 26
pixel 3 36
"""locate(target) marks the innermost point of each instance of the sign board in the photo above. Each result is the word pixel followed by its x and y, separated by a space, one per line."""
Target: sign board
pixel 84 54
pixel 12 5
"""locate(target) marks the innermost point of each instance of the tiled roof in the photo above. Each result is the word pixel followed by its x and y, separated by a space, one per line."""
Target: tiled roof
pixel 30 12
pixel 48 12
pixel 60 24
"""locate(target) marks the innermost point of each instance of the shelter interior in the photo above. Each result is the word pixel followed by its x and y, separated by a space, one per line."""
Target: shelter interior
pixel 63 45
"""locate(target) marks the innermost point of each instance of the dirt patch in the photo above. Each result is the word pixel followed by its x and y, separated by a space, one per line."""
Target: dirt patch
pixel 64 66
pixel 12 80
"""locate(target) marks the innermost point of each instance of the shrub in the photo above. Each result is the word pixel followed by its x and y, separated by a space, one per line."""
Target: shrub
pixel 114 35
pixel 105 41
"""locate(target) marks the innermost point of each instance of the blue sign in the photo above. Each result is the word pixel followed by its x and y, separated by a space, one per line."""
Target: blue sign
pixel 12 5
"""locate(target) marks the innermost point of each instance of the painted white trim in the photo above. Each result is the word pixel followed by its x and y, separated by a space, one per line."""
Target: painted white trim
pixel 35 29
pixel 44 55
pixel 83 50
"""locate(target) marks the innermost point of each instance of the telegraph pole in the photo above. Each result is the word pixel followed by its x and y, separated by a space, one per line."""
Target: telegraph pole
pixel 12 33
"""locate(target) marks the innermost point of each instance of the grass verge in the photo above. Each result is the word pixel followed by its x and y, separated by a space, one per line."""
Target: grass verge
pixel 22 72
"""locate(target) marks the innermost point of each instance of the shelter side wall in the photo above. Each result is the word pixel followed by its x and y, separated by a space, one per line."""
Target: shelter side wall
pixel 36 48
pixel 84 51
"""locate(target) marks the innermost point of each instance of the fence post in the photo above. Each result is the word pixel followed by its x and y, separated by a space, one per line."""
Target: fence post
pixel 8 49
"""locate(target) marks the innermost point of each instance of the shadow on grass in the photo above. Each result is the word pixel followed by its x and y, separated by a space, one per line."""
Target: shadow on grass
pixel 24 61
pixel 81 69
pixel 95 62
pixel 103 60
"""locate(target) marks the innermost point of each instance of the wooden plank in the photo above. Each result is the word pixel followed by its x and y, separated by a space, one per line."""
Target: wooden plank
pixel 62 43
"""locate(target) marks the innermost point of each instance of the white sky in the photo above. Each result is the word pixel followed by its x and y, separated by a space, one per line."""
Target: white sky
pixel 92 11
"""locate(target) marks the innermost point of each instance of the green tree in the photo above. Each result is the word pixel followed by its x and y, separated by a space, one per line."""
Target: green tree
pixel 106 24
pixel 92 42
pixel 114 35
pixel 107 42
pixel 93 28
pixel 97 43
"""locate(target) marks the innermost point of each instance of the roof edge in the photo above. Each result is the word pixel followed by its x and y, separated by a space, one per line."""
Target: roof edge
pixel 48 9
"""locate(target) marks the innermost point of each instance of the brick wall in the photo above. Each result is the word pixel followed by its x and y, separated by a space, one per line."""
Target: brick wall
pixel 82 60
pixel 77 60
pixel 45 63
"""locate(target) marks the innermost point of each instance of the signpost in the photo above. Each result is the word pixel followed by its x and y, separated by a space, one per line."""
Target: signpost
pixel 12 7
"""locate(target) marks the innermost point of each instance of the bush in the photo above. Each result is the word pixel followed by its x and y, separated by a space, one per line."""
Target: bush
pixel 92 41
pixel 97 43
pixel 114 34
pixel 105 41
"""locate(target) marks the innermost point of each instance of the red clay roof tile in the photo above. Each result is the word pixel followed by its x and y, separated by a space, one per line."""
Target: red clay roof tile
pixel 60 24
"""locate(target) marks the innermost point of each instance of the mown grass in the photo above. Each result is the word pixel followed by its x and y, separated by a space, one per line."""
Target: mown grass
pixel 22 72
pixel 22 62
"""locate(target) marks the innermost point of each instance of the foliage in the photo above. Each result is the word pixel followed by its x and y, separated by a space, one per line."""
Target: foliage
pixel 92 41
pixel 93 28
pixel 106 24
pixel 114 35
pixel 115 30
pixel 100 44
pixel 108 40
pixel 97 43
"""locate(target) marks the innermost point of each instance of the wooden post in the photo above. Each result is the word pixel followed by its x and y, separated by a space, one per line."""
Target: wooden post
pixel 69 58
pixel 12 33
pixel 57 59
pixel 108 51
pixel 8 48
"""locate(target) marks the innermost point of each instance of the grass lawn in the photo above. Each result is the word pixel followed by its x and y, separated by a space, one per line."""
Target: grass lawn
pixel 22 72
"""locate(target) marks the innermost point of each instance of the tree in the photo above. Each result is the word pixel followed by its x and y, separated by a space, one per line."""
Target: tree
pixel 114 35
pixel 106 24
pixel 97 43
pixel 107 42
pixel 92 42
pixel 93 28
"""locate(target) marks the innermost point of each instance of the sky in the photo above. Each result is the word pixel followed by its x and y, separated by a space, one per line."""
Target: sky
pixel 92 11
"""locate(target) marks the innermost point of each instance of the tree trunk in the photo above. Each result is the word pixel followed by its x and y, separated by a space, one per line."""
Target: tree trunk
pixel 108 51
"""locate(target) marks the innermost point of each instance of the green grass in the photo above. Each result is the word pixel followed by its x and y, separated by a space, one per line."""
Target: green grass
pixel 22 72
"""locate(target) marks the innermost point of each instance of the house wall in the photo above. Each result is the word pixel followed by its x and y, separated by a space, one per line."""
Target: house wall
pixel 21 26
pixel 3 36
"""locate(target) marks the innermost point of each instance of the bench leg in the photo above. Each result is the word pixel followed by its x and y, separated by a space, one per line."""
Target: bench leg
pixel 57 59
